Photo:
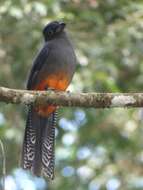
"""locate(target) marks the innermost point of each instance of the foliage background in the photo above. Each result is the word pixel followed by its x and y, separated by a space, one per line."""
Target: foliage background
pixel 95 149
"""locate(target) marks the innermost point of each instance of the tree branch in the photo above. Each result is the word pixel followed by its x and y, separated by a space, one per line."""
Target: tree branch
pixel 96 100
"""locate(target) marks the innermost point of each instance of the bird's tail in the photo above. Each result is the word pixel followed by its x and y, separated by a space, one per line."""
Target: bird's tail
pixel 38 146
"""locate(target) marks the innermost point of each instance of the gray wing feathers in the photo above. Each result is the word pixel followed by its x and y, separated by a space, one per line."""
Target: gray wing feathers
pixel 39 62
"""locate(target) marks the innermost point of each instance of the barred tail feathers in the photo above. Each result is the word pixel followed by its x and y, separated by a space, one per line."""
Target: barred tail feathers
pixel 38 146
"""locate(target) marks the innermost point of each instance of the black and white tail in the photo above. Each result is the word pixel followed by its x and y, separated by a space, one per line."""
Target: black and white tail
pixel 38 147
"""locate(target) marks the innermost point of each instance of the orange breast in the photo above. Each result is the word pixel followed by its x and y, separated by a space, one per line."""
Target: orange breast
pixel 58 81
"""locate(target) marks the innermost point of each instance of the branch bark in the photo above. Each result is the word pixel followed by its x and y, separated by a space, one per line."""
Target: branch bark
pixel 95 100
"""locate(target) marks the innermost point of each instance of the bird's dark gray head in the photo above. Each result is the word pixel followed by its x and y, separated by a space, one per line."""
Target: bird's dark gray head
pixel 53 29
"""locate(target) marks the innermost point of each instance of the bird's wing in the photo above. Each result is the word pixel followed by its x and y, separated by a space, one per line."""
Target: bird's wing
pixel 40 60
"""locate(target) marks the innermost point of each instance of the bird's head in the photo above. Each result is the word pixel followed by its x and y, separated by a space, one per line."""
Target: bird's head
pixel 53 29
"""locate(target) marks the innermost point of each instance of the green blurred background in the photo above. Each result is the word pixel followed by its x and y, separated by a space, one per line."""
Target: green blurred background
pixel 95 149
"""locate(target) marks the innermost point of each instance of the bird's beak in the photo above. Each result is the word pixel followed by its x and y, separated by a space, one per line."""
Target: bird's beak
pixel 60 27
pixel 62 24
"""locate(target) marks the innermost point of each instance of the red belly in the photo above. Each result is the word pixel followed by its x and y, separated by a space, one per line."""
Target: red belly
pixel 58 82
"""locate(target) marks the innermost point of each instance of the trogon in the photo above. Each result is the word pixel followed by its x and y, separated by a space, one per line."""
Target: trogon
pixel 53 68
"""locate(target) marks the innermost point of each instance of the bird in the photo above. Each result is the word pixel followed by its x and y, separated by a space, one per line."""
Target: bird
pixel 53 68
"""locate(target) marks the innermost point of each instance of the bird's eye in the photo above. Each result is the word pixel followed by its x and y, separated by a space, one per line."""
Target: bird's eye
pixel 50 32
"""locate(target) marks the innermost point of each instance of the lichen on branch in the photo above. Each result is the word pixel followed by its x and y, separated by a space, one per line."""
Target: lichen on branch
pixel 95 100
